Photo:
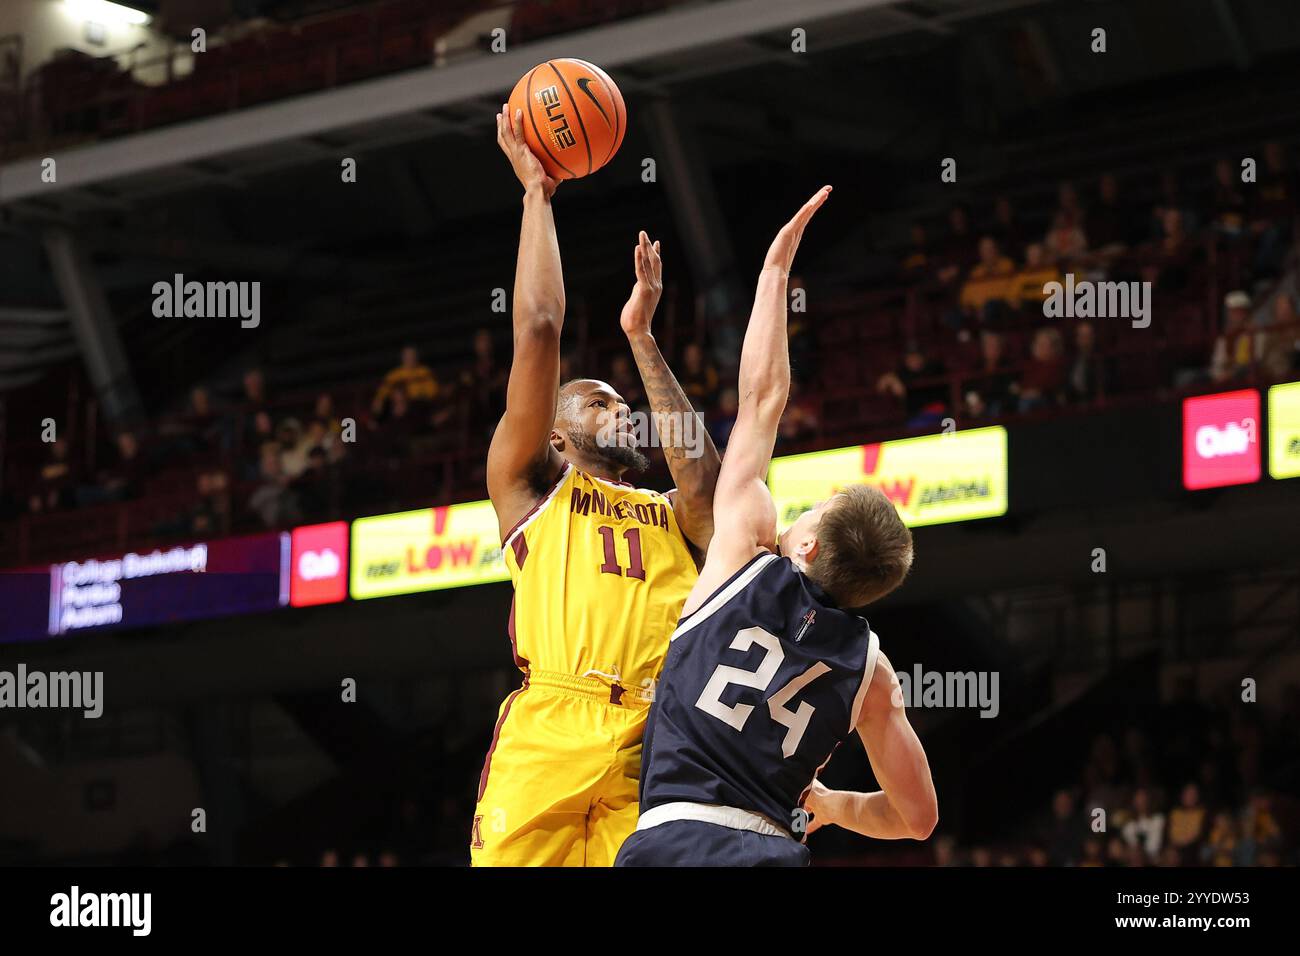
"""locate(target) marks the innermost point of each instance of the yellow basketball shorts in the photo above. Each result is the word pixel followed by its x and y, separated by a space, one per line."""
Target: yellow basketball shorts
pixel 559 785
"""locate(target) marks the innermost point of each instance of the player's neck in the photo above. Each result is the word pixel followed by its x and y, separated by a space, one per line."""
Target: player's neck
pixel 596 467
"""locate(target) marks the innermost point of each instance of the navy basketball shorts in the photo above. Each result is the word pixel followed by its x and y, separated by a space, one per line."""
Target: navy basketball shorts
pixel 696 843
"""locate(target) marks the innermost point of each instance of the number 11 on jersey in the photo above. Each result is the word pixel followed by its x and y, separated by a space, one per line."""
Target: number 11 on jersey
pixel 632 536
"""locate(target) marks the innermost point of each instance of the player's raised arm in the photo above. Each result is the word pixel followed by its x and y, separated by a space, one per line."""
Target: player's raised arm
pixel 905 807
pixel 521 460
pixel 744 515
pixel 688 449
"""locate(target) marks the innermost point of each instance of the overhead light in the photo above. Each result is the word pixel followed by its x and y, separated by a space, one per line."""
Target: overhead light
pixel 105 11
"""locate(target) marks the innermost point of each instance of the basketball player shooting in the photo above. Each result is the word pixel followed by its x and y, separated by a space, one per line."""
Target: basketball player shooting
pixel 768 671
pixel 600 568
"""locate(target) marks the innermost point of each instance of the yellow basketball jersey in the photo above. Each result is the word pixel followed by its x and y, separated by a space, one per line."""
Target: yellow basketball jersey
pixel 601 571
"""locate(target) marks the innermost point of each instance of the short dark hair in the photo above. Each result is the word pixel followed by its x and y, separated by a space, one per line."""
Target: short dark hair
pixel 864 550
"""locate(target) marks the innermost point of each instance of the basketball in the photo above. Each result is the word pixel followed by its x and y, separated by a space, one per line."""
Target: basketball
pixel 574 117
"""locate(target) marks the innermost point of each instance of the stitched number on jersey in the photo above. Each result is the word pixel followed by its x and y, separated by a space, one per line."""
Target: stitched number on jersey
pixel 796 721
pixel 635 569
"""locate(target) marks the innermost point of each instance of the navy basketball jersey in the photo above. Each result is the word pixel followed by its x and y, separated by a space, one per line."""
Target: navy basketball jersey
pixel 760 685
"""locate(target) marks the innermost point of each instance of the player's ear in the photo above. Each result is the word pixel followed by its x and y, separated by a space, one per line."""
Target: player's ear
pixel 808 549
pixel 557 440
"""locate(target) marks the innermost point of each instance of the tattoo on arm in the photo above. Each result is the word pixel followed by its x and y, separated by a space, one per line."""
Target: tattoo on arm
pixel 687 447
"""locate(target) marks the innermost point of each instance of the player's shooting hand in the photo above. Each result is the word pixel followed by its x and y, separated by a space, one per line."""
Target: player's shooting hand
pixel 641 305
pixel 510 137
pixel 817 803
pixel 781 253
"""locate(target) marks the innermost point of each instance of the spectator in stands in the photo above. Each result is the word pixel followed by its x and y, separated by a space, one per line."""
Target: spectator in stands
pixel 319 435
pixel 1260 831
pixel 1223 844
pixel 1065 243
pixel 698 377
pixel 1093 853
pixel 329 858
pixel 1088 371
pixel 126 477
pixel 198 431
pixel 1187 823
pixel 1063 836
pixel 1172 199
pixel 400 428
pixel 1043 382
pixel 1239 346
pixel 1228 203
pixel 295 444
pixel 55 480
pixel 1166 262
pixel 272 501
pixel 387 859
pixel 959 252
pixel 316 489
pixel 1145 828
pixel 724 419
pixel 917 382
pixel 254 401
pixel 1026 286
pixel 916 262
pixel 1273 210
pixel 991 382
pixel 414 380
pixel 1110 221
pixel 323 409
pixel 1101 774
pixel 1282 352
pixel 259 433
pixel 1067 201
pixel 255 396
pixel 208 517
pixel 987 287
pixel 1005 229
pixel 483 384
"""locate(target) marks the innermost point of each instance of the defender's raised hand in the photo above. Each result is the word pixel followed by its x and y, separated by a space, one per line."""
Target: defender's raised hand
pixel 641 305
pixel 510 137
pixel 781 253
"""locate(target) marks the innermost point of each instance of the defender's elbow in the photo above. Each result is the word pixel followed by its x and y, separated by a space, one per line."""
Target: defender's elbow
pixel 539 324
pixel 923 824
pixel 766 398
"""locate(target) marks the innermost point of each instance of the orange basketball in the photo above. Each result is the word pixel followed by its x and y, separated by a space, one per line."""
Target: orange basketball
pixel 574 117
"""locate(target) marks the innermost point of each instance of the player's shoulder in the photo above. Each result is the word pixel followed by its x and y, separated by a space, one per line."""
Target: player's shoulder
pixel 881 687
pixel 544 489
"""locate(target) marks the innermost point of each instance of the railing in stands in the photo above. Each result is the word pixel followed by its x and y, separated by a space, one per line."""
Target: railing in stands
pixel 82 97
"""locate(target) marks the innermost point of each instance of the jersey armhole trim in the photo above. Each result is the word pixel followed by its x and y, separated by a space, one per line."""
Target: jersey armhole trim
pixel 868 672
pixel 738 582
pixel 538 507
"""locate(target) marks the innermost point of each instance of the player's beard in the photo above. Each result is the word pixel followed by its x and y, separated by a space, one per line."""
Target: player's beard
pixel 625 457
